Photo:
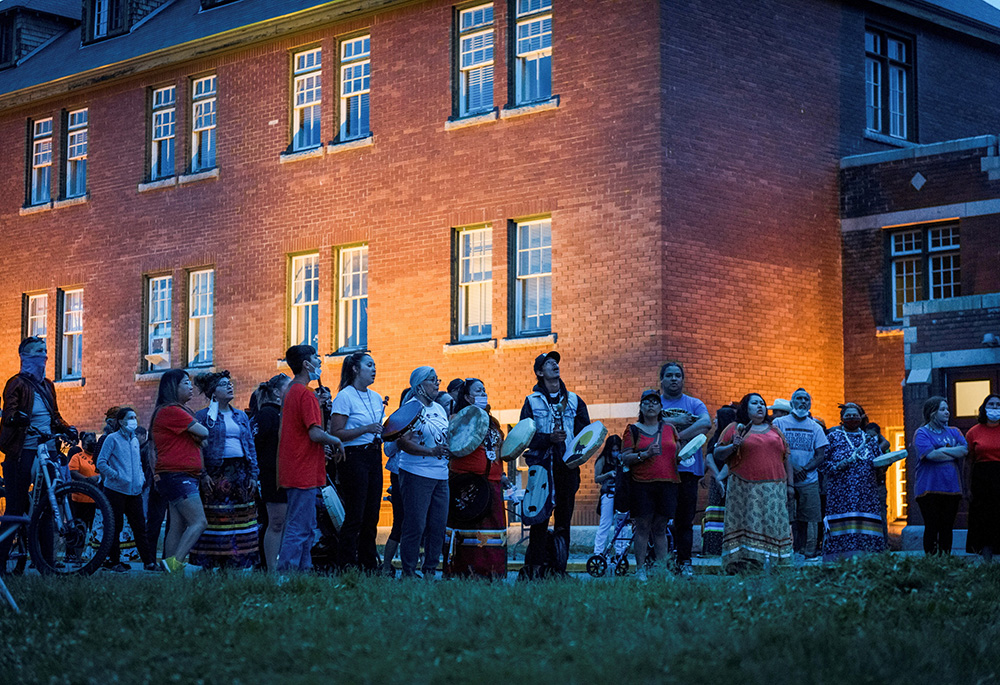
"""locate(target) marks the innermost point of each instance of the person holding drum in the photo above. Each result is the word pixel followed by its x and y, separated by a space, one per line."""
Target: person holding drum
pixel 984 455
pixel 478 542
pixel 938 491
pixel 690 417
pixel 559 415
pixel 756 531
pixel 649 449
pixel 423 476
pixel 357 420
pixel 853 521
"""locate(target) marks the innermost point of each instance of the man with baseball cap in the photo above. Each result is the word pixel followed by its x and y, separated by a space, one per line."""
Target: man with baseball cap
pixel 559 415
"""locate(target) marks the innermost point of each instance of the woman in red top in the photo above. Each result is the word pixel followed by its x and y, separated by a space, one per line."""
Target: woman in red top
pixel 984 456
pixel 478 547
pixel 178 467
pixel 756 531
pixel 649 450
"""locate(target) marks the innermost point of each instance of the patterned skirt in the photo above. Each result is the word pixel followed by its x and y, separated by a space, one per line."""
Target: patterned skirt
pixel 479 548
pixel 756 530
pixel 853 521
pixel 713 524
pixel 231 539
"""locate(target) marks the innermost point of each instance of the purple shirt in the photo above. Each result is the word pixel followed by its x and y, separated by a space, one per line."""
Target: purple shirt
pixel 940 477
pixel 698 408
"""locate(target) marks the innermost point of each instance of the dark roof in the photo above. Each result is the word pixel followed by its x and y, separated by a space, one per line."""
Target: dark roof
pixel 71 9
pixel 978 10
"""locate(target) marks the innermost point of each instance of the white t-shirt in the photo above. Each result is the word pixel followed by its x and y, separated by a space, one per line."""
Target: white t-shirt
pixel 804 437
pixel 430 429
pixel 361 409
pixel 234 446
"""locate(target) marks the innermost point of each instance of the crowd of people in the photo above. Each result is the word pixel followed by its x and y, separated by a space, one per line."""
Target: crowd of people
pixel 246 489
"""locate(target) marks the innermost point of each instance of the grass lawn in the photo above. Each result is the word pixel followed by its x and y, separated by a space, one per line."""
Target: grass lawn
pixel 883 620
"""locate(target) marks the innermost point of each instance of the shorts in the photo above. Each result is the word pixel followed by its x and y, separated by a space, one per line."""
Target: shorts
pixel 176 486
pixel 653 498
pixel 807 503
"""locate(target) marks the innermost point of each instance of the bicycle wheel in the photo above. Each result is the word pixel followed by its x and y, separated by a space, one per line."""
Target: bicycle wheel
pixel 64 550
pixel 18 557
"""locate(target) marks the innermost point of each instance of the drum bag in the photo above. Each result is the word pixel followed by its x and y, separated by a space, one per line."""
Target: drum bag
pixel 470 497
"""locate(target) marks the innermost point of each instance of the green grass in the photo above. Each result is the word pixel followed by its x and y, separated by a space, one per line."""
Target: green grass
pixel 883 620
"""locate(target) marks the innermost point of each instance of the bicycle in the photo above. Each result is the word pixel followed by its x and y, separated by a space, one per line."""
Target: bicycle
pixel 14 525
pixel 58 540
pixel 18 557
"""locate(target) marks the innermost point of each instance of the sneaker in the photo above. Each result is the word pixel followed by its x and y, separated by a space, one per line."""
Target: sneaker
pixel 640 574
pixel 171 565
pixel 687 569
pixel 154 568
pixel 121 568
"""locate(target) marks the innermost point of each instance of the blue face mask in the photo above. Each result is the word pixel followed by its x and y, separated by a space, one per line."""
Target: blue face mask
pixel 315 373
pixel 482 401
pixel 34 365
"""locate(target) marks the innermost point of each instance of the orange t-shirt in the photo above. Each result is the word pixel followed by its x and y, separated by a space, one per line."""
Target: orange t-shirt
pixel 301 462
pixel 84 464
pixel 476 462
pixel 176 449
pixel 762 455
pixel 662 467
pixel 984 443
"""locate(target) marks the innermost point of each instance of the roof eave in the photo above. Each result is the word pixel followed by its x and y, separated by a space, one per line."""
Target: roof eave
pixel 943 17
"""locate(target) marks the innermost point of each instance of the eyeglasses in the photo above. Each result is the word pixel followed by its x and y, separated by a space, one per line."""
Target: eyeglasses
pixel 651 401
pixel 434 380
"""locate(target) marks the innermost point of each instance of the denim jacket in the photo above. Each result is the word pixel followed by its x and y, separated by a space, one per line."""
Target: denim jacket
pixel 215 445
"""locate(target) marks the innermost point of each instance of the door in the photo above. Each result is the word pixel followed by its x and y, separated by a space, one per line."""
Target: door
pixel 967 388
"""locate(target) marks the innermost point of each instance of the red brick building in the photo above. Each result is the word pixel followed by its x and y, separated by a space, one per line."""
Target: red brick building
pixel 463 185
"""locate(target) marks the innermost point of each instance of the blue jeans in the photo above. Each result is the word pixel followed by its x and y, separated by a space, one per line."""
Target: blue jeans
pixel 300 522
pixel 425 501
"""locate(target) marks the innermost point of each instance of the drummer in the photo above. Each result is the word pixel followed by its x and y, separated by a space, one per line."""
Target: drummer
pixel 550 398
pixel 479 547
pixel 423 476
pixel 691 418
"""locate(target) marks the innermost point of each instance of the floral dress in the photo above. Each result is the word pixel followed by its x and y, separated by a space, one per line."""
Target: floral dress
pixel 853 521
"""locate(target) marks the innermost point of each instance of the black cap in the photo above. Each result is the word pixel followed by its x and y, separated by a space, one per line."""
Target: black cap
pixel 649 393
pixel 542 358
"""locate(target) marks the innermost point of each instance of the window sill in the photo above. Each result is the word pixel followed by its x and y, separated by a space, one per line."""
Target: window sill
pixel 888 140
pixel 283 365
pixel 470 346
pixel 70 383
pixel 474 120
pixel 299 155
pixel 149 376
pixel 888 331
pixel 35 209
pixel 157 185
pixel 70 201
pixel 192 370
pixel 335 147
pixel 530 108
pixel 533 341
pixel 198 176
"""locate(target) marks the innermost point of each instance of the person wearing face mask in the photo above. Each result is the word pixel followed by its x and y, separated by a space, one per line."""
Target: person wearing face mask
pixel 984 456
pixel 756 530
pixel 356 419
pixel 231 539
pixel 29 401
pixel 807 442
pixel 853 521
pixel 479 546
pixel 120 466
pixel 940 449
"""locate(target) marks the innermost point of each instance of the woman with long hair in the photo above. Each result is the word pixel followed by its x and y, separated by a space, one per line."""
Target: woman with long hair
pixel 984 456
pixel 940 449
pixel 761 479
pixel 606 469
pixel 267 421
pixel 230 498
pixel 178 466
pixel 478 546
pixel 356 418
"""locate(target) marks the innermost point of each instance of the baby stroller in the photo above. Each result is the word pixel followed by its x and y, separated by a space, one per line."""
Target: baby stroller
pixel 616 552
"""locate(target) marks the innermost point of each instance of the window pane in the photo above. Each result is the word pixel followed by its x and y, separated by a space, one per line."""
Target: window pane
pixel 160 328
pixel 200 317
pixel 305 300
pixel 353 296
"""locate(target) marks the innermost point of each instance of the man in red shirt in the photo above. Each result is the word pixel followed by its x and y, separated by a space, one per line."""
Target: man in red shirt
pixel 301 460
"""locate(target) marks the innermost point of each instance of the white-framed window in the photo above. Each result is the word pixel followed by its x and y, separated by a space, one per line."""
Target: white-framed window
pixel 352 296
pixel 896 477
pixel 926 264
pixel 159 326
pixel 533 51
pixel 41 161
pixel 37 323
pixel 201 317
pixel 203 105
pixel 102 17
pixel 888 83
pixel 308 98
pixel 76 153
pixel 304 302
pixel 355 75
pixel 475 283
pixel 161 164
pixel 72 334
pixel 533 283
pixel 475 63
